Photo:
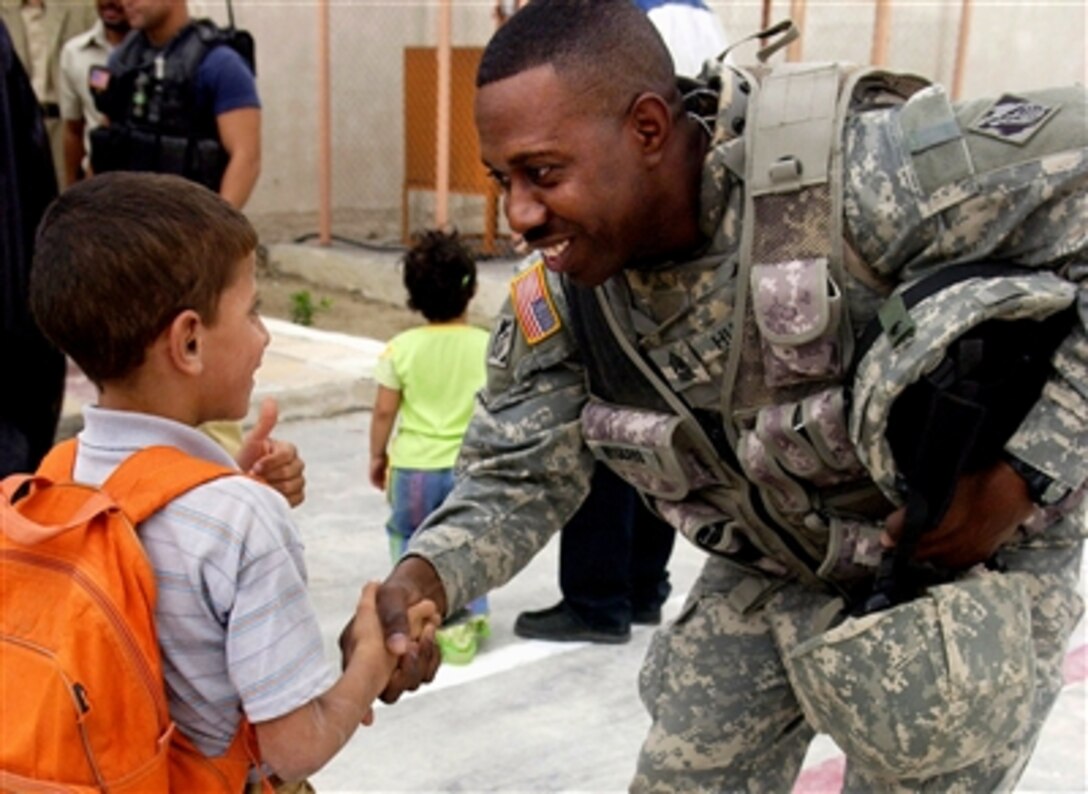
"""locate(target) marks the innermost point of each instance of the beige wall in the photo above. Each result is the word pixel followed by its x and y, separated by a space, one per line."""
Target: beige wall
pixel 1015 44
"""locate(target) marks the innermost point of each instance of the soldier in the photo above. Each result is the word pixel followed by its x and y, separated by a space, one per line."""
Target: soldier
pixel 703 279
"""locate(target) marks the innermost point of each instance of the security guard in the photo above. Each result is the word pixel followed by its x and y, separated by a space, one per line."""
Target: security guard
pixel 701 283
pixel 180 99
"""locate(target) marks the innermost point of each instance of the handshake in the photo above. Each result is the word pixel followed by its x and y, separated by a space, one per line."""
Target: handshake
pixel 395 625
pixel 396 644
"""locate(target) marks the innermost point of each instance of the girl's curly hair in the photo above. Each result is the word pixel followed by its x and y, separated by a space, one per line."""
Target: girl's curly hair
pixel 439 274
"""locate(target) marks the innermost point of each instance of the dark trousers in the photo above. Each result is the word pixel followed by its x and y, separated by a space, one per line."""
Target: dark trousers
pixel 30 401
pixel 613 555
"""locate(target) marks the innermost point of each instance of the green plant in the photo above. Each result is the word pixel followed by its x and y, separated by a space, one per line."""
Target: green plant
pixel 304 308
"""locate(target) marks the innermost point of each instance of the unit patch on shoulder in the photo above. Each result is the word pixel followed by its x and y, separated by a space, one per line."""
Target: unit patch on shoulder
pixel 1012 119
pixel 502 342
pixel 533 304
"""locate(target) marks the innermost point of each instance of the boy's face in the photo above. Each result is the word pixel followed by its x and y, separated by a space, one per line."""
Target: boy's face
pixel 233 347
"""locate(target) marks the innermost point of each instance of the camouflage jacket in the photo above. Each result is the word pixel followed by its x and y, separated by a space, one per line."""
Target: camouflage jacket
pixel 1014 189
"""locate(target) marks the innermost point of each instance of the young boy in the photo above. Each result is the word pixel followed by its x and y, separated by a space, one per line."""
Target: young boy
pixel 148 283
pixel 427 382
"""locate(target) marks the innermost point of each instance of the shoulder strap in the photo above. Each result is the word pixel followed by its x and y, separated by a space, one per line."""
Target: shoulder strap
pixel 241 41
pixel 190 46
pixel 59 461
pixel 151 478
pixel 793 207
pixel 141 485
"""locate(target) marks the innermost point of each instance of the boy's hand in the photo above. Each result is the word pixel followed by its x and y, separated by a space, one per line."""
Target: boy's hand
pixel 364 633
pixel 422 616
pixel 276 462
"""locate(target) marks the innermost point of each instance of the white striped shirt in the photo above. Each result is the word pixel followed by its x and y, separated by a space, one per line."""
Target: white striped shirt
pixel 235 623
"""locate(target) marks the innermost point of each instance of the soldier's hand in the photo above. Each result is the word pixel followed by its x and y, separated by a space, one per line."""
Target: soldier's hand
pixel 986 510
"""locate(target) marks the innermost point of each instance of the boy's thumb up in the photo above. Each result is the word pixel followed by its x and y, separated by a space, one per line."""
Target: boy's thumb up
pixel 256 443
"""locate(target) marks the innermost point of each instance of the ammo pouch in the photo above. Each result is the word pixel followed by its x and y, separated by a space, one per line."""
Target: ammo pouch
pixel 654 451
pixel 796 307
pixel 649 449
pixel 800 440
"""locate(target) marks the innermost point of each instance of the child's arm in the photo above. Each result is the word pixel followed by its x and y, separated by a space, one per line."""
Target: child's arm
pixel 386 405
pixel 299 743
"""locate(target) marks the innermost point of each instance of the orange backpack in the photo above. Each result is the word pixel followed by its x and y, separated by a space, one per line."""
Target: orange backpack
pixel 82 699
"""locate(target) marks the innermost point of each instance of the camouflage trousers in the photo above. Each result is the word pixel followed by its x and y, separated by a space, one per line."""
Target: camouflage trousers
pixel 724 717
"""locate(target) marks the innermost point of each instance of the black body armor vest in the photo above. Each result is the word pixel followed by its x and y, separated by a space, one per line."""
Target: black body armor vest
pixel 155 121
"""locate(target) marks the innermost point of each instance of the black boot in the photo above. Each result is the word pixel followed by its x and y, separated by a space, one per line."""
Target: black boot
pixel 560 623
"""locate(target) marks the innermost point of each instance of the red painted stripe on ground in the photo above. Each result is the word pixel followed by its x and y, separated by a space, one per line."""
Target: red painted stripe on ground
pixel 822 778
pixel 1075 668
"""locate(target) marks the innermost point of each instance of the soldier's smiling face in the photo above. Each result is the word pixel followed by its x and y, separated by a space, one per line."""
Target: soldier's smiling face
pixel 571 172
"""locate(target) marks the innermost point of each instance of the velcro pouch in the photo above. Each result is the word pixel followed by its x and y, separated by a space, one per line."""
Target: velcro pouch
pixel 763 469
pixel 853 550
pixel 649 449
pixel 705 525
pixel 797 309
pixel 823 420
pixel 778 428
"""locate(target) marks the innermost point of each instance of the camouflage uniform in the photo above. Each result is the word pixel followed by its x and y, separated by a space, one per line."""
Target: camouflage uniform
pixel 790 518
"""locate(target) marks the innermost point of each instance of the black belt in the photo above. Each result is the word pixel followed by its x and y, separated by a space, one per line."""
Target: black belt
pixel 51 110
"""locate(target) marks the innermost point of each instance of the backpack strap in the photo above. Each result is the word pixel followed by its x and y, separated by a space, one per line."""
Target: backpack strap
pixel 56 467
pixel 144 483
pixel 150 479
pixel 59 461
pixel 191 770
pixel 28 532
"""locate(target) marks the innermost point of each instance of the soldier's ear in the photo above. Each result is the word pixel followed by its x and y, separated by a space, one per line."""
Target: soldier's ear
pixel 650 121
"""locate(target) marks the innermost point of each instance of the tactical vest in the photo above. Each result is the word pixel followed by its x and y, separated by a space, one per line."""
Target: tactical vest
pixel 757 463
pixel 155 122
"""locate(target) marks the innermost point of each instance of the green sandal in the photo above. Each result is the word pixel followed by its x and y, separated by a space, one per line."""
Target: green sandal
pixel 457 643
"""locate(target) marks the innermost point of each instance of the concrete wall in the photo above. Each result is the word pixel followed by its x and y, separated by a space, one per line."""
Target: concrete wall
pixel 1015 44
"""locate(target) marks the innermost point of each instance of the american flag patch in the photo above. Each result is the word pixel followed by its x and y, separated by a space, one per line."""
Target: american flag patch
pixel 98 78
pixel 533 304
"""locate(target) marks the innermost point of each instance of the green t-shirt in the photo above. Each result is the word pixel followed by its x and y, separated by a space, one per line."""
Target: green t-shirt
pixel 437 369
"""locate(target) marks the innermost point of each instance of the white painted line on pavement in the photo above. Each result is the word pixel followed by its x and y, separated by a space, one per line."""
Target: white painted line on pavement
pixel 518 654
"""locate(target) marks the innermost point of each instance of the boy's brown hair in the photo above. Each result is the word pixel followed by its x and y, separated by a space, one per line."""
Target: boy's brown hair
pixel 120 255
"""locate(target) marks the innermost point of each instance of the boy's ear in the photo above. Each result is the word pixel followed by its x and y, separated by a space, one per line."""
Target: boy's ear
pixel 185 342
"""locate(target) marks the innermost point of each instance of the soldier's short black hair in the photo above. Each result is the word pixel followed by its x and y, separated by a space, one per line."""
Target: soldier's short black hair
pixel 607 48
pixel 440 275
